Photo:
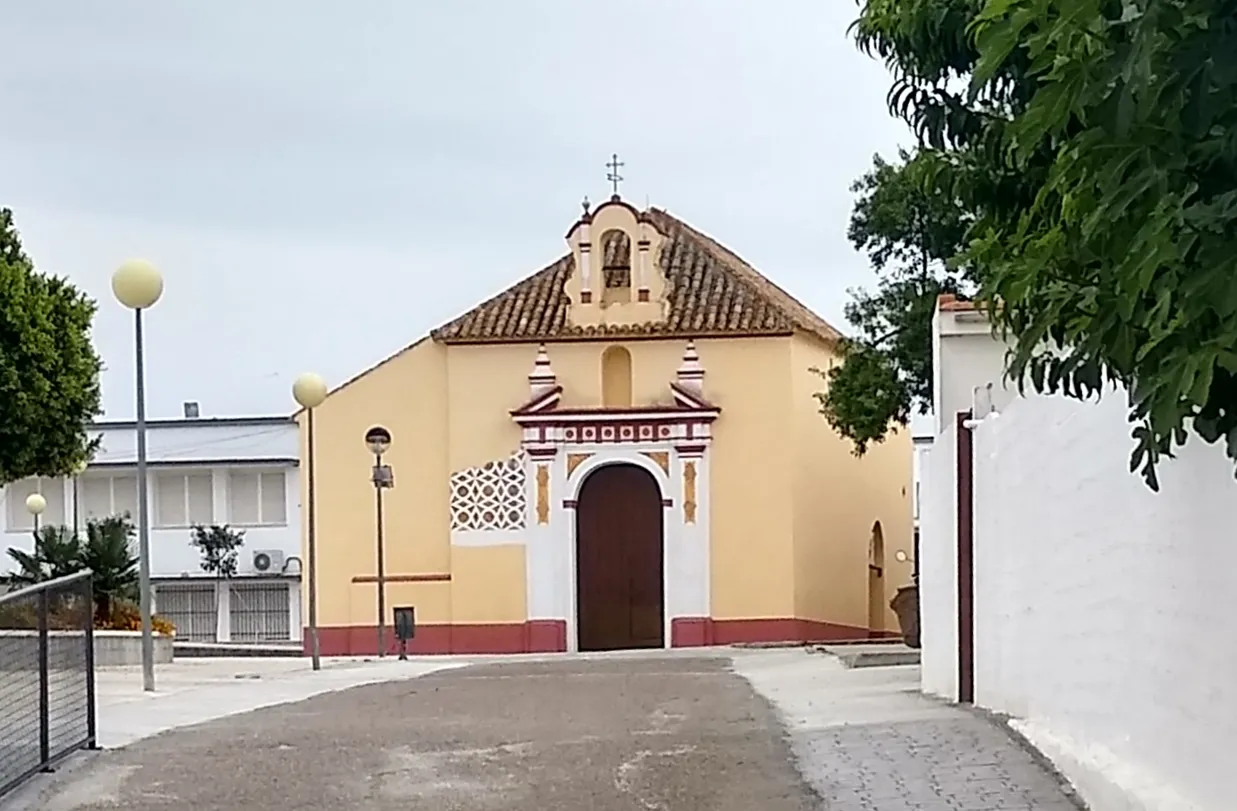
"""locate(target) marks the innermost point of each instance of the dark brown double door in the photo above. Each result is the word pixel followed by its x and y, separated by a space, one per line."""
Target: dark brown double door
pixel 619 591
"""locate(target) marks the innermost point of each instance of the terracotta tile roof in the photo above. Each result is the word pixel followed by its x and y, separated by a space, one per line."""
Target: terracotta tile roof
pixel 711 290
pixel 950 302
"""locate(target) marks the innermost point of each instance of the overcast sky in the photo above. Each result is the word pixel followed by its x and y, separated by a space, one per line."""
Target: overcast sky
pixel 322 182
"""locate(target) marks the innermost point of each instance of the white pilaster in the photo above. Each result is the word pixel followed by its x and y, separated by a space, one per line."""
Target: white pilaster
pixel 294 610
pixel 219 494
pixel 223 610
pixel 542 554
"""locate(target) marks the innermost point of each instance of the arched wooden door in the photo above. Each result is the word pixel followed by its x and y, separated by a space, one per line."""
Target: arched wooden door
pixel 619 589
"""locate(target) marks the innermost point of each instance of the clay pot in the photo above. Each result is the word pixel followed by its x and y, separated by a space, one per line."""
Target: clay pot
pixel 906 605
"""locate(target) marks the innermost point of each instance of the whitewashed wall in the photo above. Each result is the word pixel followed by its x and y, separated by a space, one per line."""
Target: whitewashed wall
pixel 938 569
pixel 1106 616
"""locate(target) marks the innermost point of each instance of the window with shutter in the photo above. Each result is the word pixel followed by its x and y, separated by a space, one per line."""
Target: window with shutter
pixel 95 494
pixel 124 496
pixel 201 499
pixel 16 493
pixel 244 498
pixel 274 499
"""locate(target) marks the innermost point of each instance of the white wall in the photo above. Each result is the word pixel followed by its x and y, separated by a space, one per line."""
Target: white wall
pixel 964 356
pixel 1104 612
pixel 938 572
pixel 195 440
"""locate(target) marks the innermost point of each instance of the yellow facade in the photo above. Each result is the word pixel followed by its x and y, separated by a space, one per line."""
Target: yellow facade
pixel 782 509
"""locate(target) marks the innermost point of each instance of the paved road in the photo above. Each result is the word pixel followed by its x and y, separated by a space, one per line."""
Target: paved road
pixel 666 732
pixel 625 734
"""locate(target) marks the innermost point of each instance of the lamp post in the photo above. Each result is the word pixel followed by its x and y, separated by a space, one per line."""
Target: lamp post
pixel 378 439
pixel 77 472
pixel 309 390
pixel 35 505
pixel 137 284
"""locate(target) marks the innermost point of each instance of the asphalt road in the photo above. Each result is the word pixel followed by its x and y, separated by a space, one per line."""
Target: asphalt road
pixel 620 734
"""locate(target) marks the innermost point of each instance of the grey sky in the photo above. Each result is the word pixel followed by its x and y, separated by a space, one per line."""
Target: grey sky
pixel 322 182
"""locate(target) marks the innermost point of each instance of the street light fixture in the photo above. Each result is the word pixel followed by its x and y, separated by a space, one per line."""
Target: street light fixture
pixel 309 391
pixel 137 284
pixel 35 505
pixel 378 440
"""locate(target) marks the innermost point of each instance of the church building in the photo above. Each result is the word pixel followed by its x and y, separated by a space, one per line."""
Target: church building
pixel 622 450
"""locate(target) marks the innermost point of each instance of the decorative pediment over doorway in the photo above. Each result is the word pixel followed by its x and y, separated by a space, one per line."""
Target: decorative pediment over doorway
pixel 685 425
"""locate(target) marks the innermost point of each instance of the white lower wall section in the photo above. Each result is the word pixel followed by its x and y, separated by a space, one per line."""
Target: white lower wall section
pixel 938 569
pixel 1104 612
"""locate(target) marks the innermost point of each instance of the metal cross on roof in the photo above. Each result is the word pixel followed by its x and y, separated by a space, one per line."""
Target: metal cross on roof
pixel 613 175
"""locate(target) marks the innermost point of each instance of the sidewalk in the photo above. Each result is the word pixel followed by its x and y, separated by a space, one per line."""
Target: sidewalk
pixel 868 739
pixel 191 691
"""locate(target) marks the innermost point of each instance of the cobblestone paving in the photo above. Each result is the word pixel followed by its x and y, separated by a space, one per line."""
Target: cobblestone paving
pixel 963 764
pixel 868 740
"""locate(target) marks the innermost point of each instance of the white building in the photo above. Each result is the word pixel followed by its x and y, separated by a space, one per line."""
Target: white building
pixel 241 472
pixel 1057 589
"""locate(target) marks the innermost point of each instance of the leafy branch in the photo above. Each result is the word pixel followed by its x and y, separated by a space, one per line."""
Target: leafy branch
pixel 909 231
pixel 1095 145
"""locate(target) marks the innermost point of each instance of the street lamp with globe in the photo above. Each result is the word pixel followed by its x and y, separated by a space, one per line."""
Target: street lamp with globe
pixel 309 391
pixel 137 284
pixel 35 505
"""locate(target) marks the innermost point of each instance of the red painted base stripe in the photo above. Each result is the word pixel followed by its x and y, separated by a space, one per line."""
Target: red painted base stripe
pixel 550 636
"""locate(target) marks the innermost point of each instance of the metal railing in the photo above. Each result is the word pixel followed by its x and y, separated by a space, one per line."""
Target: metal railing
pixel 47 676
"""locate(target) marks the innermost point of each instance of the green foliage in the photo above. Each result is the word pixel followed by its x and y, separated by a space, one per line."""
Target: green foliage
pixel 49 371
pixel 909 230
pixel 56 553
pixel 107 550
pixel 1096 143
pixel 219 546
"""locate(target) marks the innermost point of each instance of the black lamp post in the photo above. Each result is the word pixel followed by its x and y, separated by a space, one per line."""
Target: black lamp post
pixel 378 440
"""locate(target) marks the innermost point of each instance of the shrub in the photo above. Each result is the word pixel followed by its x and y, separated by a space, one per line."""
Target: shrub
pixel 126 616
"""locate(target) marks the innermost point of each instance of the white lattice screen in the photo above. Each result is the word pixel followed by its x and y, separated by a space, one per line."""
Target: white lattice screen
pixel 489 497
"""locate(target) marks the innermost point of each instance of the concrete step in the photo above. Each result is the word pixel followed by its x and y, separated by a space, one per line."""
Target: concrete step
pixel 191 650
pixel 876 655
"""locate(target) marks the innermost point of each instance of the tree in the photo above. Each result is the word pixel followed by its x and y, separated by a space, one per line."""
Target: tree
pixel 909 231
pixel 108 552
pixel 219 546
pixel 1096 143
pixel 49 371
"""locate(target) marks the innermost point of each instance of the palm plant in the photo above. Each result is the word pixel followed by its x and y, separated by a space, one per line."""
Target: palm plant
pixel 108 552
pixel 56 553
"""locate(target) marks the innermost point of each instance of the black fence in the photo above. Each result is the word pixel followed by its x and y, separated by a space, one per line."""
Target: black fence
pixel 47 679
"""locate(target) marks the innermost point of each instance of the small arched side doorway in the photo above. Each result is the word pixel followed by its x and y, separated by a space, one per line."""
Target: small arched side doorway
pixel 620 596
pixel 876 580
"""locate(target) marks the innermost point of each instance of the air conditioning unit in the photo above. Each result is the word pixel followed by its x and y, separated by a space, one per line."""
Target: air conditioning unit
pixel 268 561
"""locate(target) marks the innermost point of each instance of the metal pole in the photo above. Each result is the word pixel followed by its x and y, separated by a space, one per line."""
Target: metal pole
pixel 77 524
pixel 312 573
pixel 382 571
pixel 92 711
pixel 45 704
pixel 143 520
